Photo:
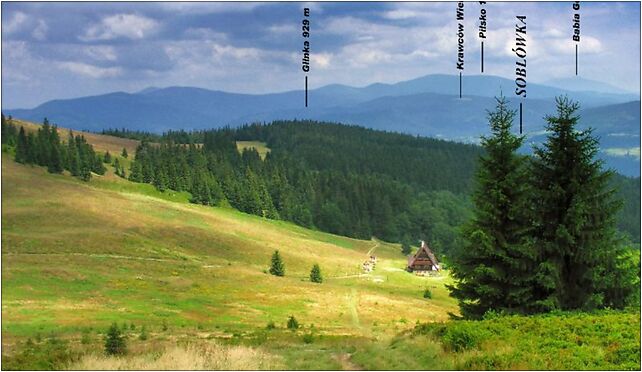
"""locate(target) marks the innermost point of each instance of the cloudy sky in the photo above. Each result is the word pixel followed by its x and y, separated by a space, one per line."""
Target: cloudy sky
pixel 64 50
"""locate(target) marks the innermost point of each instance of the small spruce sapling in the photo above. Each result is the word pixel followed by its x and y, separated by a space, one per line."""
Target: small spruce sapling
pixel 277 268
pixel 315 274
pixel 293 323
pixel 115 341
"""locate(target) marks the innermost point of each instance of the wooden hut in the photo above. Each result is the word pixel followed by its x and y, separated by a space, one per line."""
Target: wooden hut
pixel 423 262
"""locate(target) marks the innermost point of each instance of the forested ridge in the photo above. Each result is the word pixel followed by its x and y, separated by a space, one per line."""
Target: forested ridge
pixel 347 180
pixel 341 179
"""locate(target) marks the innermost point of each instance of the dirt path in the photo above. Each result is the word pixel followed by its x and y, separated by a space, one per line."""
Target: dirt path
pixel 377 244
pixel 352 305
pixel 120 257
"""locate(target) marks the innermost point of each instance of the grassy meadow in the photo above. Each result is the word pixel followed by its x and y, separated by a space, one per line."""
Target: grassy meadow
pixel 188 284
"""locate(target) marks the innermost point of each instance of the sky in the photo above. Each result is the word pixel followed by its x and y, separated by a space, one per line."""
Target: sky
pixel 65 50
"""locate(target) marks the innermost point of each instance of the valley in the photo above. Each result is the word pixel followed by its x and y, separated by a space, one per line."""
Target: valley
pixel 80 256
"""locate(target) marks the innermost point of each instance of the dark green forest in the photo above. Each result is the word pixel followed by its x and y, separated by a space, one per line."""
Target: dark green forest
pixel 45 148
pixel 347 180
pixel 342 179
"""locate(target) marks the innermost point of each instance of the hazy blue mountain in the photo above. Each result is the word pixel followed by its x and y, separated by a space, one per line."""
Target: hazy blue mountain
pixel 158 109
pixel 585 85
pixel 428 106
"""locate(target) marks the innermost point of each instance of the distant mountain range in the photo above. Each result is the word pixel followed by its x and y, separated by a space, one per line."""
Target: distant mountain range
pixel 428 106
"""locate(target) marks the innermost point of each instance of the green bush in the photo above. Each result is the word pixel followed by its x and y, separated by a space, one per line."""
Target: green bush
pixel 427 294
pixel 86 338
pixel 462 336
pixel 293 323
pixel 53 354
pixel 270 325
pixel 308 338
pixel 143 333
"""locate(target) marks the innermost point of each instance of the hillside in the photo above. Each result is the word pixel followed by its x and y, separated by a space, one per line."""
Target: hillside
pixel 121 253
pixel 79 256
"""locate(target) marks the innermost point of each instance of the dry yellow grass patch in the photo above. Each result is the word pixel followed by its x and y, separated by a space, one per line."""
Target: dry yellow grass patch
pixel 260 147
pixel 100 142
pixel 209 356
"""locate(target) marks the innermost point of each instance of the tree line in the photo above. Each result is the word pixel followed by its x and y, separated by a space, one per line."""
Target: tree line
pixel 345 180
pixel 436 174
pixel 543 234
pixel 44 148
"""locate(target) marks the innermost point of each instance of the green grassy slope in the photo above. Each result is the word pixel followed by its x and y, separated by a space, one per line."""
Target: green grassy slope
pixel 77 255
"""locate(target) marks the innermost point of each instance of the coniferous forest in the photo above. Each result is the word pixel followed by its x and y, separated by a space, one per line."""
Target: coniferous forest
pixel 347 180
pixel 341 179
pixel 46 149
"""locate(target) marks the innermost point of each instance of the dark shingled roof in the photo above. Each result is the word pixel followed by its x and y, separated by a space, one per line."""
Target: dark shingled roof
pixel 425 248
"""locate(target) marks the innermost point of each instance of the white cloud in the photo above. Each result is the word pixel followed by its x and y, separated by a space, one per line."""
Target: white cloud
pixel 204 7
pixel 88 70
pixel 203 33
pixel 283 29
pixel 101 53
pixel 15 23
pixel 40 32
pixel 129 26
pixel 321 60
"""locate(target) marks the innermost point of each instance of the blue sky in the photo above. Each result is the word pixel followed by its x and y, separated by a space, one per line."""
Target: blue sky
pixel 64 50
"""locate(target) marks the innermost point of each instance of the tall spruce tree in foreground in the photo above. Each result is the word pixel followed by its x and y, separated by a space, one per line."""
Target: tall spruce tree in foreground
pixel 493 270
pixel 575 219
pixel 277 268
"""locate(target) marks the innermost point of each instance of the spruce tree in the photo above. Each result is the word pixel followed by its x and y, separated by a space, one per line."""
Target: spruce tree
pixel 575 216
pixel 493 270
pixel 107 157
pixel 277 267
pixel 315 274
pixel 22 147
pixel 160 179
pixel 85 172
pixel 136 172
pixel 405 246
pixel 115 341
pixel 55 160
pixel 124 153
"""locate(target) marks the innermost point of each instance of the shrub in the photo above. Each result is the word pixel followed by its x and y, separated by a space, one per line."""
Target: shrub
pixel 143 334
pixel 271 325
pixel 53 354
pixel 115 341
pixel 293 323
pixel 85 339
pixel 308 338
pixel 427 294
pixel 461 336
